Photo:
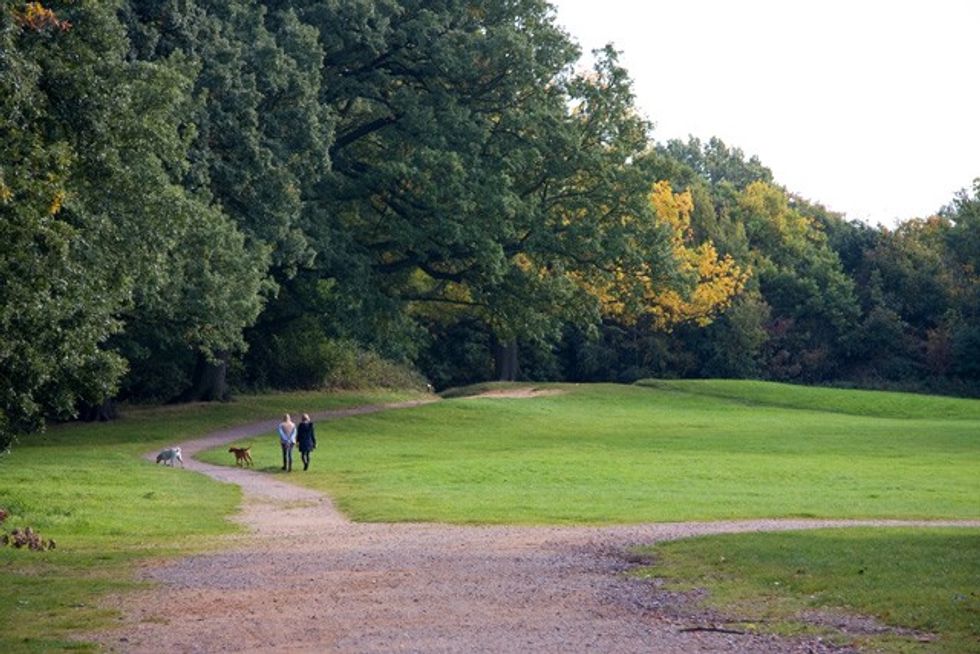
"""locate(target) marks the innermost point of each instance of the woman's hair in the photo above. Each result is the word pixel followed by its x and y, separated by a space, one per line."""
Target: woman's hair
pixel 285 418
pixel 306 417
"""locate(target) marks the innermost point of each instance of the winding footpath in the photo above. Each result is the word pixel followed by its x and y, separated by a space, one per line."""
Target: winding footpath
pixel 303 578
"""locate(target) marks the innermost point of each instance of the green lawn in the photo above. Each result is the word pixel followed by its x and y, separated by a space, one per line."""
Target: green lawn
pixel 923 579
pixel 666 451
pixel 87 487
pixel 596 454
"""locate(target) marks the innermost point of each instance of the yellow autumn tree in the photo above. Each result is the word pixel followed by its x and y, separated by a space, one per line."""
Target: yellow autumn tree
pixel 713 281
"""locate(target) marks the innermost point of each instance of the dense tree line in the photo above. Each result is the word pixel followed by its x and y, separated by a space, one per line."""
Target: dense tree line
pixel 829 300
pixel 201 192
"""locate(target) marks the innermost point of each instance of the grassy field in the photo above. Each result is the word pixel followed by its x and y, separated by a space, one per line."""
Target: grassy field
pixel 595 454
pixel 926 580
pixel 87 487
pixel 658 452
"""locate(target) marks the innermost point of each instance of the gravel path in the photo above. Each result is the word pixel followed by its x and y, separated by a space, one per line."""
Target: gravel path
pixel 305 579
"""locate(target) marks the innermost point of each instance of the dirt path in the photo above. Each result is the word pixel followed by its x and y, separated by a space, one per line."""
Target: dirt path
pixel 305 579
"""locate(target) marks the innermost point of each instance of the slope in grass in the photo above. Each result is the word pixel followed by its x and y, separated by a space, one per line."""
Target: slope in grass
pixel 882 404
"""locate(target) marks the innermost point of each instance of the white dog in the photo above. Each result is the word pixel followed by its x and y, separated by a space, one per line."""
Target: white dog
pixel 170 457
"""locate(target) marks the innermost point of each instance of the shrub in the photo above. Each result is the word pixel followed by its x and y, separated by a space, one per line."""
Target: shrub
pixel 300 355
pixel 350 367
pixel 293 357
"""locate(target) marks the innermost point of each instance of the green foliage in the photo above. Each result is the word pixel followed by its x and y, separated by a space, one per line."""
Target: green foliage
pixel 918 579
pixel 295 345
pixel 837 299
pixel 966 352
pixel 457 354
pixel 475 203
pixel 302 356
pixel 611 454
pixel 259 130
pixel 813 303
pixel 350 367
pixel 732 345
pixel 59 298
pixel 919 289
pixel 440 163
pixel 963 238
pixel 114 239
pixel 717 163
pixel 299 355
pixel 906 271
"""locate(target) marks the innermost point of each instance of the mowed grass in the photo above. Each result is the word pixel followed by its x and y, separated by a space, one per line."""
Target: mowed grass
pixel 927 580
pixel 87 487
pixel 596 454
pixel 659 451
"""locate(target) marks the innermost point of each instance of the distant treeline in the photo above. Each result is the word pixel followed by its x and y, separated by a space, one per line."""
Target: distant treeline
pixel 206 194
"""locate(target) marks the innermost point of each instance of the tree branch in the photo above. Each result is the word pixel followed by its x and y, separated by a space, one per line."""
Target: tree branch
pixel 443 300
pixel 717 629
pixel 367 128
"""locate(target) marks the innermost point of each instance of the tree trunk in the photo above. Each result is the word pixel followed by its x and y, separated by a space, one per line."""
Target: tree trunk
pixel 505 360
pixel 98 412
pixel 210 380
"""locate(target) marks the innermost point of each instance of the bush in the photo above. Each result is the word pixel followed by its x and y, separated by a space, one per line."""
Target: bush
pixel 301 355
pixel 291 357
pixel 349 367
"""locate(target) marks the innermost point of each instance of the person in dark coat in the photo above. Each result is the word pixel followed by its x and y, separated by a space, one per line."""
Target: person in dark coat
pixel 306 439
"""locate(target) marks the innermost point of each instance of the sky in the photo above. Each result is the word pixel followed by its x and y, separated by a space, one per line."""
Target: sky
pixel 871 108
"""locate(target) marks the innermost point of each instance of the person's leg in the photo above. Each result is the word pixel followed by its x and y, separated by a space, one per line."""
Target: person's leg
pixel 289 457
pixel 306 458
pixel 284 451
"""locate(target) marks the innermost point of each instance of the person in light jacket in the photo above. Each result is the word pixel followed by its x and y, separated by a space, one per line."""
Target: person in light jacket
pixel 287 439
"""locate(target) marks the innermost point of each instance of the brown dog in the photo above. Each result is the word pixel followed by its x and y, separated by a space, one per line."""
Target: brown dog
pixel 242 456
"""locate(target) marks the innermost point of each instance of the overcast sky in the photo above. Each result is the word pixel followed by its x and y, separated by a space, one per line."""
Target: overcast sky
pixel 871 108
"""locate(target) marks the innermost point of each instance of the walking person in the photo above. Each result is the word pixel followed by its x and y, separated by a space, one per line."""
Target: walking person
pixel 306 438
pixel 287 438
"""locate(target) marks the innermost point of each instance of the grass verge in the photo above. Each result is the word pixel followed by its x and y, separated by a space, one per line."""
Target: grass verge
pixel 87 487
pixel 922 586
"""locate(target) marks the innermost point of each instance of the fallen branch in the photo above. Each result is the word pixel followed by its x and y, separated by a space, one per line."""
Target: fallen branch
pixel 721 630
